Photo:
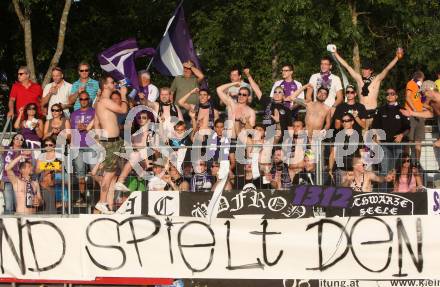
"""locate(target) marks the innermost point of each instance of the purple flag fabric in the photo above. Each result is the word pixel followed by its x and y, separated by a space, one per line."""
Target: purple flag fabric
pixel 118 60
pixel 175 47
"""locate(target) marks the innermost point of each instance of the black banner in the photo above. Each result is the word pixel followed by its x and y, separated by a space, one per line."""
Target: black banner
pixel 269 203
pixel 278 204
pixel 382 204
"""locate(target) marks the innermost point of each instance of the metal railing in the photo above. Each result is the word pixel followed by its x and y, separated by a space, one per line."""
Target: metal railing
pixel 312 167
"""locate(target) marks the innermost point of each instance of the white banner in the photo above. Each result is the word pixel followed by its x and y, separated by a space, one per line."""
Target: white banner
pixel 433 201
pixel 249 248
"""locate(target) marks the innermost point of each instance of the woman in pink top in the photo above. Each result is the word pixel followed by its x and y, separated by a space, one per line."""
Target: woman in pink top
pixel 406 177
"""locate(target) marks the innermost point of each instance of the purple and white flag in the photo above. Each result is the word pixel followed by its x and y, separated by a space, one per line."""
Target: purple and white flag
pixel 118 61
pixel 175 47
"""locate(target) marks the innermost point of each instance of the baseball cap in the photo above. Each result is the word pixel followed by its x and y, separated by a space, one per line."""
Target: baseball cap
pixel 428 86
pixel 350 86
pixel 159 162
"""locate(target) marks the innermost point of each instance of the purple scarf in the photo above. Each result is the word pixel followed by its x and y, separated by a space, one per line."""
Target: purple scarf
pixel 326 82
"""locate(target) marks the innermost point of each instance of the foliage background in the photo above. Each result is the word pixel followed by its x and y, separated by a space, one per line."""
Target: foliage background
pixel 261 34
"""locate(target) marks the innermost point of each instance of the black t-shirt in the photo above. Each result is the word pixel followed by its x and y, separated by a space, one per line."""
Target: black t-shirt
pixel 342 147
pixel 285 113
pixel 345 108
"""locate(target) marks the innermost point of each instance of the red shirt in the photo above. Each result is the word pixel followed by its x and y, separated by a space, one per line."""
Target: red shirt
pixel 24 96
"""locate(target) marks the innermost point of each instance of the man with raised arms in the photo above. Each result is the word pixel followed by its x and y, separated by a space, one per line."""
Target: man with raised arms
pixel 204 112
pixel 368 85
pixel 240 115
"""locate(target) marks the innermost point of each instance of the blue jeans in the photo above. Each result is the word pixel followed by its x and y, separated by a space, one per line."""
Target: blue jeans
pixel 391 155
pixel 9 196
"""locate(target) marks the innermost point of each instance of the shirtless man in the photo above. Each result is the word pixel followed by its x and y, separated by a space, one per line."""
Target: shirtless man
pixel 367 84
pixel 106 119
pixel 360 179
pixel 432 94
pixel 204 112
pixel 165 110
pixel 318 114
pixel 27 191
pixel 239 113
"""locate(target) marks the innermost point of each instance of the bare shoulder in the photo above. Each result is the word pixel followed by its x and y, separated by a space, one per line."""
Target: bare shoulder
pixel 250 110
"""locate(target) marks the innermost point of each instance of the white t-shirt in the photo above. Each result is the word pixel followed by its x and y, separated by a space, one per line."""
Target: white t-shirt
pixel 156 183
pixel 335 86
pixel 278 83
pixel 62 96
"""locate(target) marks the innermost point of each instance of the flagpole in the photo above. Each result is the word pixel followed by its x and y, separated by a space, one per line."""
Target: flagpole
pixel 149 64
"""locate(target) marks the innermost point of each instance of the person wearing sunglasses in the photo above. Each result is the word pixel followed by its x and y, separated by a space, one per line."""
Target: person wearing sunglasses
pixel 396 126
pixel 31 127
pixel 345 140
pixel 351 106
pixel 240 116
pixel 11 152
pixel 235 76
pixel 360 180
pixel 24 92
pixel 49 168
pixel 56 92
pixel 81 120
pixel 84 83
pixel 276 112
pixel 406 175
pixel 107 123
pixel 54 126
pixel 288 83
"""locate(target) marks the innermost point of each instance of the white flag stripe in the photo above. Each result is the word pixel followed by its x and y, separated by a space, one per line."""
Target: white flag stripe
pixel 169 57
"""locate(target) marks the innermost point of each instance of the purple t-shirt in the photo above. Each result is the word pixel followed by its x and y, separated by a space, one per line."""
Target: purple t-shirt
pixel 77 117
pixel 288 87
pixel 9 156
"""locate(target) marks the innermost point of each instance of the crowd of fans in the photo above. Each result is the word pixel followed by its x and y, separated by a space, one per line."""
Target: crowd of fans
pixel 276 133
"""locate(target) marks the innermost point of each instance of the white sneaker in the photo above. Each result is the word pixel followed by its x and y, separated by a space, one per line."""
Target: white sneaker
pixel 121 187
pixel 102 207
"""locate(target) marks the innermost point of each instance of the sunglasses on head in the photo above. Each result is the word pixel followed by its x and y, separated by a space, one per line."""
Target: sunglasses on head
pixel 85 70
